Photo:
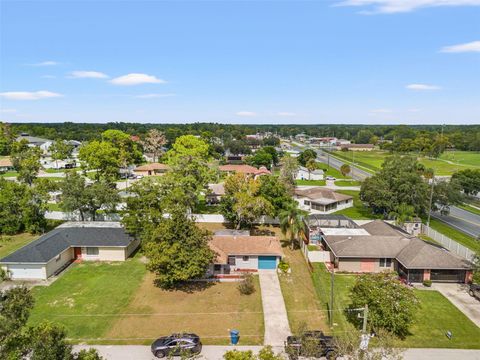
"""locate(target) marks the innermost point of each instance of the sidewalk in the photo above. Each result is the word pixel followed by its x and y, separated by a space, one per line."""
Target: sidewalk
pixel 274 312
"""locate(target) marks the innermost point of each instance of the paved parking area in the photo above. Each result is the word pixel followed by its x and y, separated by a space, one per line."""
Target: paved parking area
pixel 457 294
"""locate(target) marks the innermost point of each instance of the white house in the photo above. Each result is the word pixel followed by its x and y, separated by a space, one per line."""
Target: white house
pixel 304 174
pixel 317 200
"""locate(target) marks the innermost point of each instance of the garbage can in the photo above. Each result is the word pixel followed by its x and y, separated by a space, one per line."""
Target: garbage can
pixel 234 336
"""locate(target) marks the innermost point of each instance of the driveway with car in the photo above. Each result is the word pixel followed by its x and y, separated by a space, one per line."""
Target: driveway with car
pixel 458 295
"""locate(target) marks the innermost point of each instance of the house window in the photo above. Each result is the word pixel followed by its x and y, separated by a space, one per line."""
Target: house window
pixel 306 202
pixel 231 260
pixel 217 267
pixel 245 258
pixel 92 250
pixel 386 262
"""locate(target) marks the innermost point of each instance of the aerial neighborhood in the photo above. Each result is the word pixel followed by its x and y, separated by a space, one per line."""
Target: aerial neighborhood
pixel 265 233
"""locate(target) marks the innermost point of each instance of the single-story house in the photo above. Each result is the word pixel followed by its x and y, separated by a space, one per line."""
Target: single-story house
pixel 357 147
pixel 151 169
pixel 244 253
pixel 304 174
pixel 244 169
pixel 378 246
pixel 54 251
pixel 215 193
pixel 318 200
pixel 6 164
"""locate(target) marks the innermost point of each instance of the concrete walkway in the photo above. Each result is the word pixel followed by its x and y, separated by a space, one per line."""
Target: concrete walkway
pixel 274 312
pixel 458 295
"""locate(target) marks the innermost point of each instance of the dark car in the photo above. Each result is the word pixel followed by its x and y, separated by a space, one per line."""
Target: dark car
pixel 474 291
pixel 177 344
pixel 311 344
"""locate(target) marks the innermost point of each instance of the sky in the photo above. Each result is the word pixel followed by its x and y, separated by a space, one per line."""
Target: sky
pixel 246 62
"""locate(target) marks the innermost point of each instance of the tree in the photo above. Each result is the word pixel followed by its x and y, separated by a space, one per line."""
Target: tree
pixel 26 161
pixel 271 141
pixel 177 250
pixel 469 180
pixel 345 169
pixel 128 151
pixel 291 222
pixel 261 158
pixel 363 136
pixel 154 143
pixel 403 213
pixel 311 166
pixel 391 305
pixel 305 156
pixel 288 172
pixel 6 138
pixel 446 193
pixel 15 306
pixel 276 193
pixel 102 157
pixel 60 150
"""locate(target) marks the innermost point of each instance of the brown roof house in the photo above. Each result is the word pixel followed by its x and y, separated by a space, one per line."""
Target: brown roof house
pixel 5 164
pixel 244 169
pixel 151 169
pixel 238 252
pixel 378 246
pixel 318 200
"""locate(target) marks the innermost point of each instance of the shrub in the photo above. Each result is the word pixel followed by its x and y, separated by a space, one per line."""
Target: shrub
pixel 312 248
pixel 247 286
pixel 427 283
pixel 283 266
pixel 3 275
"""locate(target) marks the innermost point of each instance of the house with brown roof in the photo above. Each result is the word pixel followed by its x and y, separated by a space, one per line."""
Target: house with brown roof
pixel 378 246
pixel 318 200
pixel 244 169
pixel 151 169
pixel 239 252
pixel 5 164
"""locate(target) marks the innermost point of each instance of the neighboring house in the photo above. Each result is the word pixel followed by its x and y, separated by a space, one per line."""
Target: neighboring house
pixel 151 169
pixel 5 165
pixel 357 147
pixel 33 141
pixel 317 200
pixel 341 142
pixel 378 246
pixel 215 193
pixel 323 141
pixel 244 253
pixel 304 174
pixel 244 169
pixel 54 251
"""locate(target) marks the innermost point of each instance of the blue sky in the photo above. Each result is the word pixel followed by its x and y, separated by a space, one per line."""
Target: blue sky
pixel 353 61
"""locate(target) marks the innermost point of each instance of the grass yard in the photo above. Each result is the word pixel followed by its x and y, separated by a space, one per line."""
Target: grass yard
pixel 455 234
pixel 468 158
pixel 310 182
pixel 347 183
pixel 358 211
pixel 330 171
pixel 53 207
pixel 434 318
pixel 299 294
pixel 203 208
pixel 10 243
pixel 88 297
pixel 210 312
pixel 8 174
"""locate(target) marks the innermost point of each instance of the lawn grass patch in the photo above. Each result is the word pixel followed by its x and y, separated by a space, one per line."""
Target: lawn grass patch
pixel 303 306
pixel 84 291
pixel 359 211
pixel 331 171
pixel 310 182
pixel 11 243
pixel 209 311
pixel 471 158
pixel 9 174
pixel 203 208
pixel 460 237
pixel 347 183
pixel 54 207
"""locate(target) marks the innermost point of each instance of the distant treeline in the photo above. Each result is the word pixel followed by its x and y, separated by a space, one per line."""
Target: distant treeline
pixel 461 137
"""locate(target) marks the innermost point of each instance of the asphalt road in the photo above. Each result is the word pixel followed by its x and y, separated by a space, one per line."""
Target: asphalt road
pixel 462 220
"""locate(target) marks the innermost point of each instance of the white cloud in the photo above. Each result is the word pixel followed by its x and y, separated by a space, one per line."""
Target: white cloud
pixel 286 114
pixel 246 113
pixel 46 63
pixel 136 79
pixel 29 95
pixel 402 6
pixel 153 96
pixel 422 87
pixel 87 74
pixel 473 46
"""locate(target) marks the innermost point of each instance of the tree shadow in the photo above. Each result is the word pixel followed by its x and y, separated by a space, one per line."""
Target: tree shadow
pixel 189 287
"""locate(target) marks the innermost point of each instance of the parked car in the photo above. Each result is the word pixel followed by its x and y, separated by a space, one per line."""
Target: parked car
pixel 330 178
pixel 311 344
pixel 176 344
pixel 474 291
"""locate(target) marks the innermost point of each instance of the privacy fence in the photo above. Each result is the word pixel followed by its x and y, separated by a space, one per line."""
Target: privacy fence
pixel 448 243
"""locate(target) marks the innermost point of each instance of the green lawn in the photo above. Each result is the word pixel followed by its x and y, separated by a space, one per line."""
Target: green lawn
pixel 54 207
pixel 330 171
pixel 455 234
pixel 435 316
pixel 85 290
pixel 203 208
pixel 9 174
pixel 471 158
pixel 347 183
pixel 311 182
pixel 358 211
pixel 10 243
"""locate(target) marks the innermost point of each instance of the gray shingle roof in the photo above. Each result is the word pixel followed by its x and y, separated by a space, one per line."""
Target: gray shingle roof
pixel 50 245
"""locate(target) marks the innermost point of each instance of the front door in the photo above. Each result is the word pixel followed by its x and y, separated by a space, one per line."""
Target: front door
pixel 77 253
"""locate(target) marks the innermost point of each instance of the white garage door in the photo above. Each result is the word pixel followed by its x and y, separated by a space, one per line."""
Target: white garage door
pixel 26 271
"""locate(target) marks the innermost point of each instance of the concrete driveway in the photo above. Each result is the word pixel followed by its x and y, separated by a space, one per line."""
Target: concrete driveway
pixel 457 294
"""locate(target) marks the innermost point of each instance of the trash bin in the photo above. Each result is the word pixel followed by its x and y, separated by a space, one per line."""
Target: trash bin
pixel 234 336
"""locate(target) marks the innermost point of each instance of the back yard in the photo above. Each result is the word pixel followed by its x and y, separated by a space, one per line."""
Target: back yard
pixel 10 243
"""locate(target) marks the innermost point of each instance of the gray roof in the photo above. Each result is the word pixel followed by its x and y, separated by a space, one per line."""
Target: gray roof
pixel 366 246
pixel 48 246
pixel 380 227
pixel 32 139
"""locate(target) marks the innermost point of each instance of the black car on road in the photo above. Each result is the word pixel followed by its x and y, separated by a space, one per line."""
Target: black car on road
pixel 311 344
pixel 177 344
pixel 474 291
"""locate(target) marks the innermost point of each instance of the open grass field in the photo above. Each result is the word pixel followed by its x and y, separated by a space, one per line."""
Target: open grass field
pixel 358 211
pixel 447 164
pixel 11 243
pixel 310 182
pixel 347 183
pixel 435 316
pixel 330 171
pixel 303 306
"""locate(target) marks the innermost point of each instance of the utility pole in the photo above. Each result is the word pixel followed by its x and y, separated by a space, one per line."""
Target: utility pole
pixel 431 199
pixel 332 282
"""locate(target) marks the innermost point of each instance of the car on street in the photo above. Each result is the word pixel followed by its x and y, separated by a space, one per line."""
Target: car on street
pixel 177 345
pixel 474 291
pixel 311 344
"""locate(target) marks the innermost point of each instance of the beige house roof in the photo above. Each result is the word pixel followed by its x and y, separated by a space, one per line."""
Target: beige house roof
pixel 6 162
pixel 216 189
pixel 152 167
pixel 322 195
pixel 225 245
pixel 245 169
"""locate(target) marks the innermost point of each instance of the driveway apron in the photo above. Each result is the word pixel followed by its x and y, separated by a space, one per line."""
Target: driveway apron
pixel 458 296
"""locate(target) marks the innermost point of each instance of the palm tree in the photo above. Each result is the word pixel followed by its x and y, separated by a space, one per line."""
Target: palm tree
pixel 291 222
pixel 403 213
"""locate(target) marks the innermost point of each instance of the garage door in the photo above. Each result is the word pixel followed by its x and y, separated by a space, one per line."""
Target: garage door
pixel 26 271
pixel 267 262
